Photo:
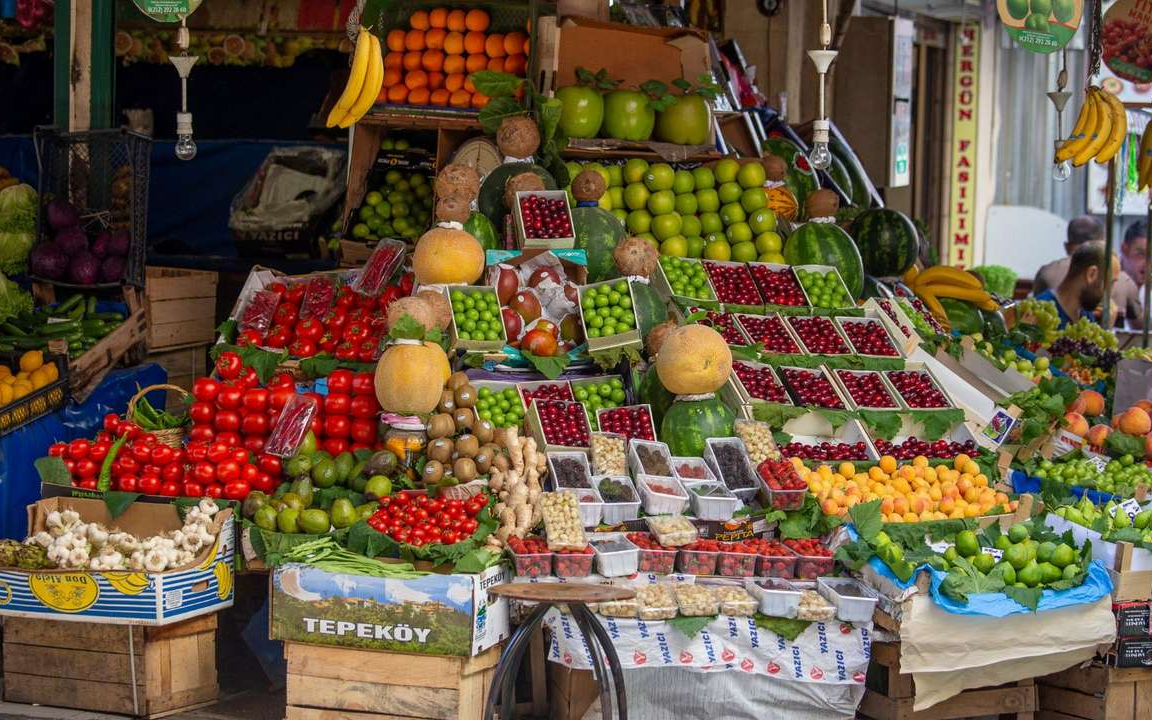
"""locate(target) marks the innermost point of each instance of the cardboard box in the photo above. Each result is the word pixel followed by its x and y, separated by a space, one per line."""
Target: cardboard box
pixel 574 262
pixel 124 597
pixel 1133 619
pixel 557 243
pixel 631 54
pixel 1130 652
pixel 437 614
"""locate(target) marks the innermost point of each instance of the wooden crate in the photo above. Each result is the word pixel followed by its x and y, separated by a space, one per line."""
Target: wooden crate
pixel 184 365
pixel 142 672
pixel 181 307
pixel 1096 693
pixel 1128 585
pixel 327 683
pixel 88 370
pixel 890 694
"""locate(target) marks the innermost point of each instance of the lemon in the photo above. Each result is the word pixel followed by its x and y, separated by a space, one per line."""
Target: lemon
pixel 53 372
pixel 39 379
pixel 5 370
pixel 8 379
pixel 31 360
pixel 20 389
pixel 6 394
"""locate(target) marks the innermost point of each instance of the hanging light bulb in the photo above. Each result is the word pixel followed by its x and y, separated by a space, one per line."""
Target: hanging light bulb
pixel 820 157
pixel 185 145
pixel 1062 171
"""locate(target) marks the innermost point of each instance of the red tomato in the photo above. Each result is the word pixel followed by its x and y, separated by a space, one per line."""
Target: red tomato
pixel 149 485
pixel 311 329
pixel 327 344
pixel 337 403
pixel 248 473
pixel 279 336
pixel 128 464
pixel 202 433
pixel 334 446
pixel 170 489
pixel 356 331
pixel 337 426
pixel 197 451
pixel 302 348
pixel 249 378
pixel 340 381
pixel 277 287
pixel 366 350
pixel 286 314
pixel 390 295
pixel 249 337
pixel 363 431
pixel 295 293
pixel 226 421
pixel 162 455
pixel 271 465
pixel 335 320
pixel 229 397
pixel 204 473
pixel 201 412
pixel 228 471
pixel 214 491
pixel 229 365
pixel 86 468
pixel 70 464
pixel 218 452
pixel 59 449
pixel 255 443
pixel 175 471
pixel 237 490
pixel 231 439
pixel 254 425
pixel 142 453
pixel 192 489
pixel 127 483
pixel 346 351
pixel 205 389
pixel 364 383
pixel 264 483
pixel 240 455
pixel 407 281
pixel 111 423
pixel 79 448
pixel 363 406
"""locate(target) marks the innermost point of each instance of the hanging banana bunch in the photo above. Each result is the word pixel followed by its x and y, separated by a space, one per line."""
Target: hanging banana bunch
pixel 1099 132
pixel 364 82
pixel 944 281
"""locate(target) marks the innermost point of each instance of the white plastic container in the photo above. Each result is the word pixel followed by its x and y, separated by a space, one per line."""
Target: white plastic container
pixel 695 464
pixel 748 484
pixel 638 468
pixel 661 503
pixel 854 600
pixel 580 459
pixel 711 500
pixel 616 512
pixel 673 531
pixel 616 556
pixel 778 597
pixel 591 511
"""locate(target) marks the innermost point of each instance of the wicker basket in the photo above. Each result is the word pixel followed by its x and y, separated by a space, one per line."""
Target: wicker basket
pixel 172 437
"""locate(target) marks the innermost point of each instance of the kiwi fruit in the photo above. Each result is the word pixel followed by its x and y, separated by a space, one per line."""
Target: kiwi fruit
pixel 464 469
pixel 433 471
pixel 456 380
pixel 447 401
pixel 483 460
pixel 465 396
pixel 441 425
pixel 440 450
pixel 467 445
pixel 463 417
pixel 484 431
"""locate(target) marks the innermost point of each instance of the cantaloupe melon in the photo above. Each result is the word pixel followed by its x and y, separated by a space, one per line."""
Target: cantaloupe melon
pixel 447 256
pixel 693 360
pixel 410 377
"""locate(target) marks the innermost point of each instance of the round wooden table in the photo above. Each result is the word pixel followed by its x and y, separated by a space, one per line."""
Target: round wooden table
pixel 547 595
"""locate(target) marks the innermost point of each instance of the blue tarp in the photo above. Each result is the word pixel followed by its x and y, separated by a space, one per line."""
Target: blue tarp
pixel 1024 483
pixel 19 482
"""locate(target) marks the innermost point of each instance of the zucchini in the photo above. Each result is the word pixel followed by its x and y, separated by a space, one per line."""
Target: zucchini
pixel 7 347
pixel 106 316
pixel 94 328
pixel 29 343
pixel 72 302
pixel 91 304
pixel 59 328
pixel 12 329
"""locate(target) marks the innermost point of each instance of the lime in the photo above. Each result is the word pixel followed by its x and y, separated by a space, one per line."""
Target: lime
pixel 726 170
pixel 753 199
pixel 751 175
pixel 665 226
pixel 718 250
pixel 635 196
pixel 729 193
pixel 743 252
pixel 617 195
pixel 638 221
pixel 1002 542
pixel 703 178
pixel 373 198
pixel 686 204
pixel 604 202
pixel 659 177
pixel 1031 575
pixel 661 202
pixel 634 170
pixel 676 246
pixel 707 200
pixel 682 182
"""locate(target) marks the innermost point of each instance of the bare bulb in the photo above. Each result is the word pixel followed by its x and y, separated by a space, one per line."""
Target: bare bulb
pixel 185 147
pixel 820 157
pixel 1061 171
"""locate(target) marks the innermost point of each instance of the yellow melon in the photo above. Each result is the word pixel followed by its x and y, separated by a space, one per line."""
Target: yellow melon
pixel 410 377
pixel 447 256
pixel 693 360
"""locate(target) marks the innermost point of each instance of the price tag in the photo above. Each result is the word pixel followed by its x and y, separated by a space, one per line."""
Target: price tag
pixel 1099 462
pixel 996 431
pixel 940 547
pixel 996 553
pixel 1130 507
pixel 1065 442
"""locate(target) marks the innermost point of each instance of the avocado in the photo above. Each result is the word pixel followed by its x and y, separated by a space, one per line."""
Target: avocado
pixel 299 465
pixel 309 444
pixel 255 500
pixel 383 462
pixel 324 473
pixel 314 522
pixel 343 463
pixel 265 517
pixel 302 486
pixel 359 482
pixel 287 520
pixel 343 513
pixel 378 487
pixel 366 510
pixel 294 501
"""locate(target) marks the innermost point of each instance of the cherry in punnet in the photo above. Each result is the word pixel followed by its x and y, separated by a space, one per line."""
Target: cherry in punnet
pixel 917 389
pixel 779 287
pixel 869 337
pixel 760 382
pixel 812 388
pixel 819 335
pixel 866 389
pixel 631 422
pixel 826 451
pixel 545 218
pixel 912 447
pixel 564 423
pixel 770 332
pixel 723 323
pixel 733 283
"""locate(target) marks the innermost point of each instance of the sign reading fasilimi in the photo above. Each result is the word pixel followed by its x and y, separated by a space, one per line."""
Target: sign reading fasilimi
pixel 962 161
pixel 1041 26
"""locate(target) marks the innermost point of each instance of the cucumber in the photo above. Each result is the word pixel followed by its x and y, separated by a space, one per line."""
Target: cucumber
pixel 72 302
pixel 95 328
pixel 7 347
pixel 60 328
pixel 12 329
pixel 29 343
pixel 91 305
pixel 106 316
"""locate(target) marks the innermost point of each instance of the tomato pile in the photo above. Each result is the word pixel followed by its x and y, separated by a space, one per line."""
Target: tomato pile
pixel 143 464
pixel 1128 42
pixel 347 417
pixel 418 520
pixel 314 317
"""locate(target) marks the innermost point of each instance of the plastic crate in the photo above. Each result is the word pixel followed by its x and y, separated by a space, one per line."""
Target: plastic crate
pixel 697 562
pixel 736 564
pixel 104 174
pixel 38 403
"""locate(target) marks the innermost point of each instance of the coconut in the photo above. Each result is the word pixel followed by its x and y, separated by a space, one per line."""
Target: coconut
pixel 524 182
pixel 417 308
pixel 518 137
pixel 458 179
pixel 821 203
pixel 775 169
pixel 441 307
pixel 635 256
pixel 656 337
pixel 452 208
pixel 588 186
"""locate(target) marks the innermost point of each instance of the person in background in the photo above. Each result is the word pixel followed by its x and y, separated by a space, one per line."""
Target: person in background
pixel 1082 288
pixel 1080 230
pixel 1127 293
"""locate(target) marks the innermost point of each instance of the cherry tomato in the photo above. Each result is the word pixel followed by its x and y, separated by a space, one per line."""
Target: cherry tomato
pixel 271 465
pixel 337 426
pixel 197 450
pixel 162 455
pixel 249 378
pixel 229 365
pixel 248 473
pixel 201 412
pixel 255 443
pixel 279 336
pixel 366 350
pixel 86 468
pixel 229 397
pixel 264 483
pixel 340 381
pixel 149 485
pixel 127 483
pixel 237 490
pixel 111 423
pixel 70 464
pixel 59 449
pixel 128 464
pixel 228 471
pixel 204 472
pixel 78 449
pixel 469 526
pixel 335 446
pixel 254 424
pixel 226 421
pixel 302 348
pixel 363 431
pixel 170 489
pixel 201 433
pixel 205 389
pixel 240 455
pixel 99 451
pixel 142 453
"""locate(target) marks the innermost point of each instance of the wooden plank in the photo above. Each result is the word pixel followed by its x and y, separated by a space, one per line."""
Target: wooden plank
pixel 1120 702
pixel 305 713
pixel 421 702
pixel 1093 679
pixel 182 310
pixel 1075 703
pixel 473 695
pixel 970 703
pixel 196 329
pixel 163 283
pixel 195 626
pixel 1142 700
pixel 538 669
pixel 375 667
pixel 70 693
pixel 182 701
pixel 61 634
pixel 1053 715
pixel 71 663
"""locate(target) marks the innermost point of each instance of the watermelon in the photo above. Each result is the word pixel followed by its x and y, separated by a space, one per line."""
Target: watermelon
pixel 840 176
pixel 827 244
pixel 481 228
pixel 888 241
pixel 597 232
pixel 994 324
pixel 651 310
pixel 651 391
pixel 861 192
pixel 688 423
pixel 873 288
pixel 491 199
pixel 801 179
pixel 964 317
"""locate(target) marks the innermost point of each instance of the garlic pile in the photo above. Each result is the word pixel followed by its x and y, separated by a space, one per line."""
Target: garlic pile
pixel 74 545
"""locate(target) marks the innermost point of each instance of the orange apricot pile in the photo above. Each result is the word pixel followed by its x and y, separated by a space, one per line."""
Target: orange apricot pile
pixel 430 63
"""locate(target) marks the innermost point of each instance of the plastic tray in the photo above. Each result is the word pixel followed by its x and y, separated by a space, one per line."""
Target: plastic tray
pixel 778 598
pixel 695 600
pixel 672 531
pixel 635 465
pixel 532 564
pixel 580 457
pixel 776 566
pixel 598 464
pixel 697 562
pixel 744 429
pixel 658 503
pixel 619 608
pixel 578 541
pixel 572 564
pixel 622 511
pixel 37 403
pixel 614 563
pixel 854 601
pixel 786 499
pixel 657 562
pixel 735 600
pixel 717 502
pixel 656 602
pixel 810 567
pixel 693 462
pixel 590 511
pixel 736 564
pixel 742 492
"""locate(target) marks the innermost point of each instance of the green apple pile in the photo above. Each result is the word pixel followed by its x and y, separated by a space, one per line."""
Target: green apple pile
pixel 719 213
pixel 503 408
pixel 688 278
pixel 1120 476
pixel 477 314
pixel 399 207
pixel 599 395
pixel 607 309
pixel 1087 513
pixel 1025 562
pixel 1007 358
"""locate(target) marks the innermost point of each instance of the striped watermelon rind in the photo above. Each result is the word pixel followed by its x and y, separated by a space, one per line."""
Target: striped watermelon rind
pixel 650 308
pixel 800 179
pixel 688 423
pixel 964 317
pixel 827 244
pixel 491 198
pixel 480 227
pixel 888 241
pixel 597 233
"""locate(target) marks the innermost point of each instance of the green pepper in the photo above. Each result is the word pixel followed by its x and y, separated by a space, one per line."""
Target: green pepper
pixel 105 479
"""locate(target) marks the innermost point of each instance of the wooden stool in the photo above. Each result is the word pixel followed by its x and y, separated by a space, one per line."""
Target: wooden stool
pixel 575 596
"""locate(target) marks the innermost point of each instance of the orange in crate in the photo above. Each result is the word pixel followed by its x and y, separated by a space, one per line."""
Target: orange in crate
pixel 514 42
pixel 496 64
pixel 438 18
pixel 476 20
pixel 527 46
pixel 395 40
pixel 515 64
pixel 454 82
pixel 419 20
pixel 434 38
pixel 474 43
pixel 435 80
pixel 454 43
pixel 394 60
pixel 432 60
pixel 476 63
pixel 414 40
pixel 454 64
pixel 479 100
pixel 397 93
pixel 440 97
pixel 419 96
pixel 391 77
pixel 413 60
pixel 457 20
pixel 416 79
pixel 460 99
pixel 494 45
pixel 468 84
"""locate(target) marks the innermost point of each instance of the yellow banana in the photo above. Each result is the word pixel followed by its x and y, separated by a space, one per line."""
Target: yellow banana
pixel 957 293
pixel 947 275
pixel 1119 128
pixel 1079 136
pixel 372 83
pixel 1099 133
pixel 990 305
pixel 355 79
pixel 910 275
pixel 935 308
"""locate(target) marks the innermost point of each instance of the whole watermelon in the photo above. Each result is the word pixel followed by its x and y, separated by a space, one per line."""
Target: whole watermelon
pixel 650 308
pixel 861 197
pixel 965 318
pixel 491 198
pixel 840 176
pixel 653 392
pixel 887 240
pixel 597 233
pixel 688 423
pixel 827 244
pixel 481 228
pixel 801 179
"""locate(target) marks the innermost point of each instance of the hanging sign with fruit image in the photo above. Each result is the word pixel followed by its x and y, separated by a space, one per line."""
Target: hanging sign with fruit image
pixel 1041 26
pixel 1127 41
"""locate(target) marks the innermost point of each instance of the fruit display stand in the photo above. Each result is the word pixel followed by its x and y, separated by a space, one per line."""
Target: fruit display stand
pixel 1095 692
pixel 145 672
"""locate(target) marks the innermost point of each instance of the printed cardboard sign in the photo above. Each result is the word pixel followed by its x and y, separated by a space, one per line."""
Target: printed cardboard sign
pixel 167 11
pixel 998 428
pixel 1041 26
pixel 1127 40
